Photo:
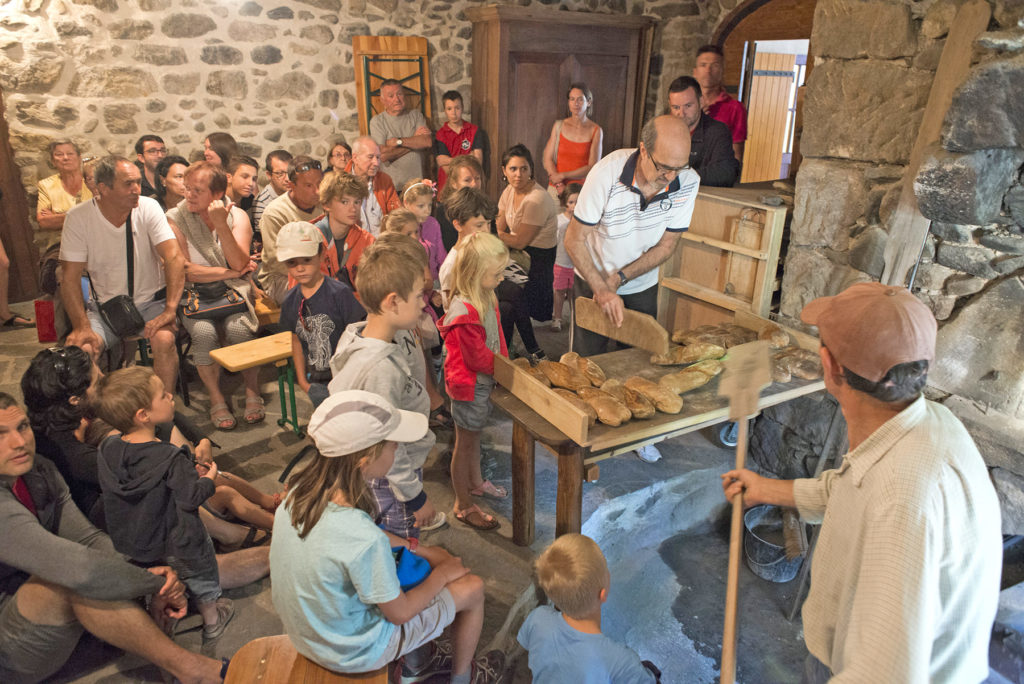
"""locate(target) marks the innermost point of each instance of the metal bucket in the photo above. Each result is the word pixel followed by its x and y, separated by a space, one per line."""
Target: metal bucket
pixel 764 546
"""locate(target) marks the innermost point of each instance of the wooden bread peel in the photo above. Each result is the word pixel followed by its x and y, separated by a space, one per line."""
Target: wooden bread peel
pixel 637 329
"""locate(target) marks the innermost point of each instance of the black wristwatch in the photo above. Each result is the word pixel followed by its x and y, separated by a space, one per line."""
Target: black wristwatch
pixel 622 279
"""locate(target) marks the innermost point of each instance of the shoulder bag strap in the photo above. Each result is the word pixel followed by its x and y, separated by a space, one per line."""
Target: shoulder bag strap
pixel 130 242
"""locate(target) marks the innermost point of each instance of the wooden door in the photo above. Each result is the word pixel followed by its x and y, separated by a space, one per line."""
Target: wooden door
pixel 770 97
pixel 15 229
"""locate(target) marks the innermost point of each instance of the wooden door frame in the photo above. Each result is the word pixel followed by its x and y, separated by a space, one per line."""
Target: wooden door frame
pixel 15 229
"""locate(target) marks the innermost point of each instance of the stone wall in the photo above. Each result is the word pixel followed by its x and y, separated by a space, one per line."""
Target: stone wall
pixel 273 73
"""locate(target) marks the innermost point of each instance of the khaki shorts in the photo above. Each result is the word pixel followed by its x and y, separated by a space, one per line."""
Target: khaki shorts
pixel 422 629
pixel 31 652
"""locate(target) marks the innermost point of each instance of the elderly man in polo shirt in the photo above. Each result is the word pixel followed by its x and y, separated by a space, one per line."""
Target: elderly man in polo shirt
pixel 905 581
pixel 402 134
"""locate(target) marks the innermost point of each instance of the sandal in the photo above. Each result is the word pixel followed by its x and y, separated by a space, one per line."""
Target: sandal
pixel 254 410
pixel 220 416
pixel 488 488
pixel 16 321
pixel 441 418
pixel 252 540
pixel 476 518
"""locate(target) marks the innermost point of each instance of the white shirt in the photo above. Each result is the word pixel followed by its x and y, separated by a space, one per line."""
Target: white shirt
pixel 905 579
pixel 626 225
pixel 444 276
pixel 89 238
pixel 370 212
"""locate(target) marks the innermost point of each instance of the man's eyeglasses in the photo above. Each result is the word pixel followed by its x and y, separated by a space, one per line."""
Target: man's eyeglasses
pixel 278 174
pixel 302 168
pixel 663 169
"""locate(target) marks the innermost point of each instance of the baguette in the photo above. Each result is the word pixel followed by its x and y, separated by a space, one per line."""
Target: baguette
pixel 678 356
pixel 578 403
pixel 562 375
pixel 610 410
pixel 684 381
pixel 664 400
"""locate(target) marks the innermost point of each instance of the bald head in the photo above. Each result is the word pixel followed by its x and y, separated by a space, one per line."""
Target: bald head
pixel 667 138
pixel 365 157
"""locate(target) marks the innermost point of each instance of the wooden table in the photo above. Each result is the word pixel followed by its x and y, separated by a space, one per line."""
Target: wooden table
pixel 701 408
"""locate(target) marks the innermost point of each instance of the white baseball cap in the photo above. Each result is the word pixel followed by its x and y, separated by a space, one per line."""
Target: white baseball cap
pixel 350 421
pixel 298 239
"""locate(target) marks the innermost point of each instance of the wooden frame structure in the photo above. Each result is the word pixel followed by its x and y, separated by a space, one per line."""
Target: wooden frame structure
pixel 403 58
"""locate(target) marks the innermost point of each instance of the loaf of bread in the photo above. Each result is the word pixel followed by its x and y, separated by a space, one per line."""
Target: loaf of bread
pixel 743 334
pixel 709 367
pixel 610 410
pixel 780 370
pixel 639 405
pixel 525 365
pixel 569 358
pixel 684 381
pixel 690 336
pixel 591 371
pixel 578 403
pixel 678 356
pixel 801 363
pixel 562 375
pixel 774 335
pixel 665 400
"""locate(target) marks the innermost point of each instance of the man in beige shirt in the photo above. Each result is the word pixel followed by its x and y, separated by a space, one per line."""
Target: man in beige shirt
pixel 905 580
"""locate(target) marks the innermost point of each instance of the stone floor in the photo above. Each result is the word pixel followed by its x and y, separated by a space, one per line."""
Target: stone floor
pixel 663 527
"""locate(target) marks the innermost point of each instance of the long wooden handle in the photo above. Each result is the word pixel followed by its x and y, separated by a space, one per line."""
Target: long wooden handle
pixel 732 583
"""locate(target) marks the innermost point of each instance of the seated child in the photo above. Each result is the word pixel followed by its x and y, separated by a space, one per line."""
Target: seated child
pixel 456 137
pixel 334 579
pixel 470 211
pixel 152 491
pixel 384 356
pixel 564 275
pixel 316 310
pixel 342 195
pixel 565 642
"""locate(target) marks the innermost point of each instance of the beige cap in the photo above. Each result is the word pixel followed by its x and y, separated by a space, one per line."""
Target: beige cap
pixel 298 239
pixel 871 327
pixel 349 421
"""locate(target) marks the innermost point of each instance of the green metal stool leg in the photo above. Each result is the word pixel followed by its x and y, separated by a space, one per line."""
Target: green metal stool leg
pixel 291 392
pixel 286 373
pixel 281 375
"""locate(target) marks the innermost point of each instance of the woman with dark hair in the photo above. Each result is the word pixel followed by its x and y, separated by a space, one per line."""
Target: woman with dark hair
pixel 574 145
pixel 528 220
pixel 219 148
pixel 339 157
pixel 170 181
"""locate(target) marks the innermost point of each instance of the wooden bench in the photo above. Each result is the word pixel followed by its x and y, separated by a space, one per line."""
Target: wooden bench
pixel 275 349
pixel 273 660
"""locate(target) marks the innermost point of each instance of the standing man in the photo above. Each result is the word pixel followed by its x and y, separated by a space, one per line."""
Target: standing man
pixel 300 203
pixel 633 206
pixel 277 174
pixel 905 580
pixel 149 151
pixel 383 198
pixel 95 238
pixel 402 134
pixel 711 152
pixel 717 103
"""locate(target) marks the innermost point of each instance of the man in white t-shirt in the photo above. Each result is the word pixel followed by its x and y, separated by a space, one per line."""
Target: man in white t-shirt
pixel 402 134
pixel 94 238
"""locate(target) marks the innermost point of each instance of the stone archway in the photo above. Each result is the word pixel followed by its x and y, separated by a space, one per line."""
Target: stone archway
pixel 760 20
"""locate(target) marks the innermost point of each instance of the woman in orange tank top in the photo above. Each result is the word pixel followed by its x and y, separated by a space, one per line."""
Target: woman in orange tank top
pixel 574 145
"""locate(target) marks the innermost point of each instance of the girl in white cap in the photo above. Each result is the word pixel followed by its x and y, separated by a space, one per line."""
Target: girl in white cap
pixel 335 583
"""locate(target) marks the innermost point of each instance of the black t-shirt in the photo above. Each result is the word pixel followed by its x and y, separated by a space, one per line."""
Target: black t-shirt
pixel 325 316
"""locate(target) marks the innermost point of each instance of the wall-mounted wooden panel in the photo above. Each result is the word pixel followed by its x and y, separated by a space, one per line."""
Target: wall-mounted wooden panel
pixel 377 58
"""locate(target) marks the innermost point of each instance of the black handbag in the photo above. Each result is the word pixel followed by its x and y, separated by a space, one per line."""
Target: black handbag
pixel 212 301
pixel 120 313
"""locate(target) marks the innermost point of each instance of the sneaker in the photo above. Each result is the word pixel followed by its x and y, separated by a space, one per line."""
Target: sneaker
pixel 556 325
pixel 439 663
pixel 537 356
pixel 488 669
pixel 648 454
pixel 434 523
pixel 225 611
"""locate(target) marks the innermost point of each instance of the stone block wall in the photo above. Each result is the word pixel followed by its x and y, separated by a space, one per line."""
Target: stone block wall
pixel 273 73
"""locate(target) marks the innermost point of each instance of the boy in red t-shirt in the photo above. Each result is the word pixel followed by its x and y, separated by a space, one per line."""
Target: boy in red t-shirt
pixel 456 137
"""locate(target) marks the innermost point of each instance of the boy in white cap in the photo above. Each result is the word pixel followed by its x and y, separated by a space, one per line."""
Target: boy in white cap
pixel 905 580
pixel 334 579
pixel 316 311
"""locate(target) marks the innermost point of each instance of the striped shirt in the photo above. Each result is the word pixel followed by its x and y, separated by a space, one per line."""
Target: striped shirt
pixel 905 580
pixel 626 223
pixel 266 196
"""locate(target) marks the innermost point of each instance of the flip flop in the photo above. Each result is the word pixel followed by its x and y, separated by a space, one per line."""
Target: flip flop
pixel 482 522
pixel 221 417
pixel 254 410
pixel 17 321
pixel 251 540
pixel 488 488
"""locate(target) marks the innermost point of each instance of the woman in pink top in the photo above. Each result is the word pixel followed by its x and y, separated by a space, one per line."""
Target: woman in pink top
pixel 574 145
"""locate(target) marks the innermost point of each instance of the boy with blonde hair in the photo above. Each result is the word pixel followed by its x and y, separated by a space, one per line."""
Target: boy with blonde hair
pixel 565 642
pixel 342 195
pixel 383 355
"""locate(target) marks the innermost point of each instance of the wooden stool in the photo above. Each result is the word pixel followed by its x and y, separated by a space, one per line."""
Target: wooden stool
pixel 273 660
pixel 275 349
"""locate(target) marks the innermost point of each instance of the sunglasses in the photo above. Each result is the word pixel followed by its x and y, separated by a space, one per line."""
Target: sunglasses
pixel 60 362
pixel 302 168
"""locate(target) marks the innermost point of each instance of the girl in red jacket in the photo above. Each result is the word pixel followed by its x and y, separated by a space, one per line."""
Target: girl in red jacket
pixel 472 336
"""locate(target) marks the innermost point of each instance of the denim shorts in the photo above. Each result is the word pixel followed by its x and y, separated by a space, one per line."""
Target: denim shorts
pixel 31 652
pixel 472 415
pixel 200 575
pixel 148 310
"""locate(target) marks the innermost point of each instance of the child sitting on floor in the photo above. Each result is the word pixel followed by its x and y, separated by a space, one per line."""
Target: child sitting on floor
pixel 472 337
pixel 152 491
pixel 565 642
pixel 316 311
pixel 334 578
pixel 564 275
pixel 384 356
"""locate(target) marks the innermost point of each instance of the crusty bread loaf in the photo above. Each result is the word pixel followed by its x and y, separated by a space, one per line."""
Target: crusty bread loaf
pixel 709 367
pixel 615 388
pixel 569 358
pixel 684 381
pixel 664 400
pixel 690 336
pixel 578 403
pixel 610 410
pixel 534 372
pixel 678 356
pixel 806 369
pixel 639 405
pixel 780 370
pixel 591 371
pixel 774 335
pixel 562 375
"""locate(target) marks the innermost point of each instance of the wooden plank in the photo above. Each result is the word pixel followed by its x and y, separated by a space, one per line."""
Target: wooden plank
pixel 524 485
pixel 637 329
pixel 560 413
pixel 907 228
pixel 724 245
pixel 262 350
pixel 706 294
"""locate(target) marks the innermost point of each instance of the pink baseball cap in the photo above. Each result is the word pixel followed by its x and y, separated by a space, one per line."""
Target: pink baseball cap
pixel 871 327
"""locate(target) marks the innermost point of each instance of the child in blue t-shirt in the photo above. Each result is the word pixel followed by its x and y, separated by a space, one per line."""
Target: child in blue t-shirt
pixel 565 642
pixel 316 311
pixel 334 579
